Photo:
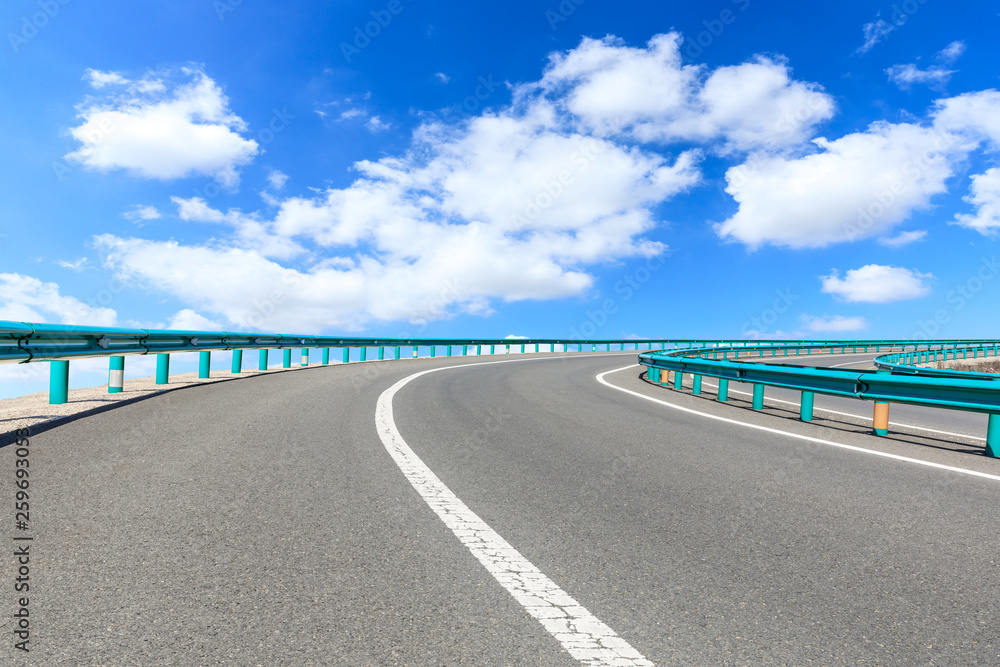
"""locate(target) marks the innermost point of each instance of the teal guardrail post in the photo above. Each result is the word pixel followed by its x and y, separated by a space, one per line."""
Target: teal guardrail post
pixel 364 353
pixel 536 348
pixel 346 357
pixel 416 351
pixel 262 358
pixel 696 385
pixel 758 397
pixel 479 350
pixel 492 349
pixel 448 351
pixel 653 374
pixel 58 382
pixel 678 380
pixel 993 436
pixel 116 375
pixel 433 350
pixel 806 406
pixel 305 357
pixel 326 356
pixel 162 368
pixel 723 389
pixel 237 361
pixel 286 358
pixel 381 353
pixel 397 351
pixel 204 364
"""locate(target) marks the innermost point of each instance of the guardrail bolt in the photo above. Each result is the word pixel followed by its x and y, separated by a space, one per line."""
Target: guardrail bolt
pixel 880 420
pixel 758 397
pixel 806 406
pixel 237 361
pixel 162 368
pixel 58 382
pixel 116 375
pixel 262 359
pixel 286 358
pixel 204 364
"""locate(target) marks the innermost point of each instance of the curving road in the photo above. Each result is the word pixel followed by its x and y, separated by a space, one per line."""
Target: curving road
pixel 265 522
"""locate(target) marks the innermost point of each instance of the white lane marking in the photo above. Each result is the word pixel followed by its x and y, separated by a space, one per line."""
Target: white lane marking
pixel 830 443
pixel 581 633
pixel 849 414
pixel 849 363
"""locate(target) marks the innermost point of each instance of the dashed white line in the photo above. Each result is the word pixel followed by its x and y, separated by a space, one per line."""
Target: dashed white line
pixel 581 633
pixel 797 436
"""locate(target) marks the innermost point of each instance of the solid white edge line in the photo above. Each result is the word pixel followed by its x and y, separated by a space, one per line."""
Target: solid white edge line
pixel 582 634
pixel 767 429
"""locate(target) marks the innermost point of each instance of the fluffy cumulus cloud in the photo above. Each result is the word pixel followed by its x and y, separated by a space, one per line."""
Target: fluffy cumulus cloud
pixel 27 299
pixel 163 126
pixel 647 94
pixel 874 283
pixel 858 186
pixel 985 196
pixel 188 320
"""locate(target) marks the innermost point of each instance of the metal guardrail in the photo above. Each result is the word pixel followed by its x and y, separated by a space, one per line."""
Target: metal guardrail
pixel 897 381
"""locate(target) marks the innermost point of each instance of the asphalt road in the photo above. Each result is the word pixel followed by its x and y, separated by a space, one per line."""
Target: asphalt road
pixel 263 522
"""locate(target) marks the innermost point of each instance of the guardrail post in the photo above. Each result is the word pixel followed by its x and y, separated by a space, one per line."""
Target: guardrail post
pixel 326 356
pixel 364 353
pixel 479 350
pixel 678 380
pixel 492 349
pixel 696 385
pixel 723 389
pixel 806 406
pixel 397 351
pixel 347 355
pixel 880 420
pixel 653 374
pixel 204 364
pixel 448 352
pixel 993 436
pixel 162 368
pixel 286 357
pixel 58 382
pixel 416 351
pixel 237 361
pixel 433 350
pixel 758 397
pixel 305 357
pixel 536 348
pixel 116 375
pixel 381 353
pixel 262 358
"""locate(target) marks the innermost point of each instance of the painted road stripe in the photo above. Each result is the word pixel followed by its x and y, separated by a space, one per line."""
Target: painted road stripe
pixel 581 633
pixel 820 441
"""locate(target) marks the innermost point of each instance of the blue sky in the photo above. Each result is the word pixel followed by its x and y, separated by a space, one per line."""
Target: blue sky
pixel 687 169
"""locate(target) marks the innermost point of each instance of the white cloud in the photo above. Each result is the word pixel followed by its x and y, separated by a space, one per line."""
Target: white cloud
pixel 99 79
pixel 160 129
pixel 951 53
pixel 877 284
pixel 834 324
pixel 648 94
pixel 985 196
pixel 905 76
pixel 974 116
pixel 188 320
pixel 81 264
pixel 277 179
pixel 141 213
pixel 442 77
pixel 27 299
pixel 903 238
pixel 376 124
pixel 251 232
pixel 858 186
pixel 874 32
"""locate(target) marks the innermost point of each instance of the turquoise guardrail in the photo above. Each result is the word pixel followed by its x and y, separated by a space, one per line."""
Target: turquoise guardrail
pixel 898 379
